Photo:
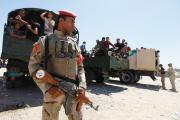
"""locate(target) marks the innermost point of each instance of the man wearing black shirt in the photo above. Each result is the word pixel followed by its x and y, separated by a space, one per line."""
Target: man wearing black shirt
pixel 162 73
pixel 33 31
pixel 117 44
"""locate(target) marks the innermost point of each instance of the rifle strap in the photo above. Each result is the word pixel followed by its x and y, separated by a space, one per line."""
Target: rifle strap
pixel 46 52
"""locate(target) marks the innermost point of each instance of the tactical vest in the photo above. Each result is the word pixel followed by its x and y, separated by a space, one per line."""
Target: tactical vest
pixel 62 58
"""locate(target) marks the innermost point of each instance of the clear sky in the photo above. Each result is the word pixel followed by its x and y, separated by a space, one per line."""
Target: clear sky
pixel 147 23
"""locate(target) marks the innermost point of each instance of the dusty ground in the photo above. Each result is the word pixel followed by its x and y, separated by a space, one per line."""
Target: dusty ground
pixel 142 101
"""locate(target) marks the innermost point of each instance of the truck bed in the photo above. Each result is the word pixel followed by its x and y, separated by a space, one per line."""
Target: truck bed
pixel 106 62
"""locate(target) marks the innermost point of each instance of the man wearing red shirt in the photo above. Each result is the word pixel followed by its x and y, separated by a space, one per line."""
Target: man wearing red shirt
pixel 106 43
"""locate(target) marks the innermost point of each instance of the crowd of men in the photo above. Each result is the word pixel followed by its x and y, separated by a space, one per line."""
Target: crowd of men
pixel 22 28
pixel 104 47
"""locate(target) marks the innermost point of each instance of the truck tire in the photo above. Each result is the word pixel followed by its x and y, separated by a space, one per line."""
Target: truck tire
pixel 137 78
pixel 89 76
pixel 99 77
pixel 127 77
pixel 9 84
pixel 18 83
pixel 13 84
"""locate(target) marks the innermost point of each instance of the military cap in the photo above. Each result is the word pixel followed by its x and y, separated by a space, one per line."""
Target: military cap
pixel 67 13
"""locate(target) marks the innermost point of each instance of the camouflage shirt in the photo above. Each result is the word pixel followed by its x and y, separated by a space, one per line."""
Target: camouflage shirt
pixel 62 59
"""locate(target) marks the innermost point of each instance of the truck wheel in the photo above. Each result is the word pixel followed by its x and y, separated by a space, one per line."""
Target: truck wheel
pixel 9 84
pixel 99 78
pixel 127 77
pixel 137 78
pixel 89 76
pixel 17 83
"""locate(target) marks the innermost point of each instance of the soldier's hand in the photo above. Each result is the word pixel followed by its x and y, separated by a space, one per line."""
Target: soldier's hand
pixel 81 99
pixel 81 91
pixel 80 94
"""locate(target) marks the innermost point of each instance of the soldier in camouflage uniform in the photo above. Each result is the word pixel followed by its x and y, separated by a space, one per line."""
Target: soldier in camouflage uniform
pixel 172 77
pixel 64 59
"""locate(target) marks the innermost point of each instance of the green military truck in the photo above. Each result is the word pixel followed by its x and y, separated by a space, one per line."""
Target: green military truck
pixel 17 51
pixel 144 62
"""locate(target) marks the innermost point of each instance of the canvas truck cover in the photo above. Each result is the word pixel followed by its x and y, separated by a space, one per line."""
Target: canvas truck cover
pixel 20 49
pixel 144 59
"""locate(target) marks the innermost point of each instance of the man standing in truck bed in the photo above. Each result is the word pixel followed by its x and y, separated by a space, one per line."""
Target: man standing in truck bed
pixel 64 59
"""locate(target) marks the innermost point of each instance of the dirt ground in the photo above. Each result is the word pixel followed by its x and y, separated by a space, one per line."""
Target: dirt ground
pixel 141 101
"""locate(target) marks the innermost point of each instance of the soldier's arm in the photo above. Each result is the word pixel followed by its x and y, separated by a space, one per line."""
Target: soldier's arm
pixel 42 78
pixel 35 69
pixel 37 56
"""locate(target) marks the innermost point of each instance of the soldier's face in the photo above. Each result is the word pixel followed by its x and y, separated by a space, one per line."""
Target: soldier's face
pixel 68 24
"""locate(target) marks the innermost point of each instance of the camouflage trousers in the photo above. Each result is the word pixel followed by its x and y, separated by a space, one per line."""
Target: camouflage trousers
pixel 51 108
pixel 172 80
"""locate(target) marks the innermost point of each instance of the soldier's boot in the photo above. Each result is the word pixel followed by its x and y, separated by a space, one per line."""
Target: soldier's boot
pixel 50 111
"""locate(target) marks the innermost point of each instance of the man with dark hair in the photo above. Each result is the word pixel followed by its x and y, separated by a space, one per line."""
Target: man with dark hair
pixel 83 49
pixel 162 73
pixel 103 39
pixel 49 23
pixel 19 18
pixel 107 43
pixel 33 30
pixel 17 25
pixel 62 77
pixel 118 43
pixel 123 43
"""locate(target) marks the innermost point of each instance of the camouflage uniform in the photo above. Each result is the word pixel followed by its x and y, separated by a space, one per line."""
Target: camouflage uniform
pixel 63 52
pixel 172 77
